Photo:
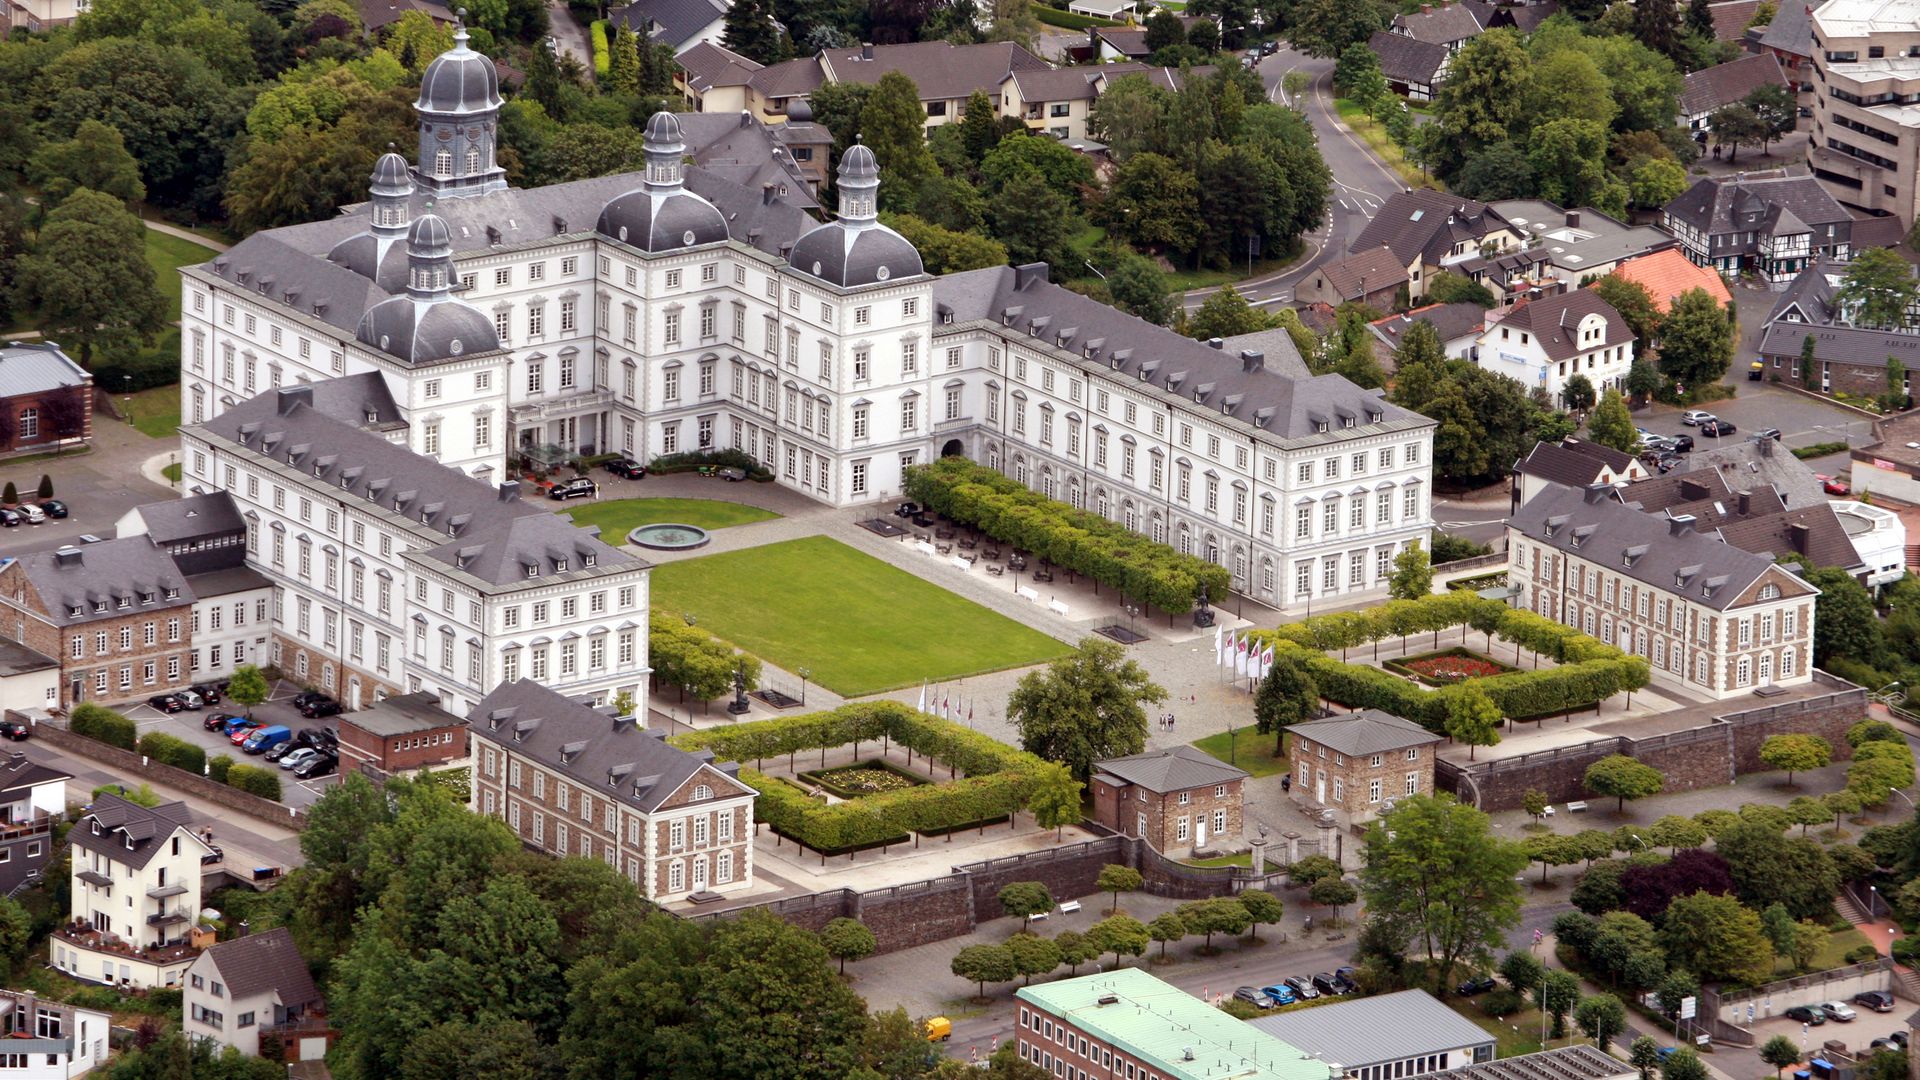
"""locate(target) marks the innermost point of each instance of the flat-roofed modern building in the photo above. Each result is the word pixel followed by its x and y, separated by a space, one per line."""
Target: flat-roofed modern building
pixel 1411 1033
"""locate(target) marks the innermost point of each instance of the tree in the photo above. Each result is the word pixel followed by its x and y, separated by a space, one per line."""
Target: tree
pixel 847 939
pixel 1333 892
pixel 1568 158
pixel 1025 899
pixel 1312 868
pixel 1737 126
pixel 1065 171
pixel 95 158
pixel 1116 879
pixel 1774 104
pixel 1878 287
pixel 106 300
pixel 45 490
pixel 1447 287
pixel 1654 25
pixel 1550 850
pixel 1643 379
pixel 1767 866
pixel 1473 719
pixel 1033 955
pixel 1655 182
pixel 1844 618
pixel 1084 707
pixel 1601 1016
pixel 1264 908
pixel 751 32
pixel 1219 915
pixel 247 687
pixel 1166 927
pixel 944 250
pixel 1796 753
pixel 1675 832
pixel 1121 935
pixel 1500 171
pixel 1523 971
pixel 1164 29
pixel 982 964
pixel 1032 219
pixel 893 126
pixel 1436 867
pixel 1325 28
pixel 1622 778
pixel 1716 937
pixel 1559 992
pixel 1780 1052
pixel 1487 93
pixel 1577 394
pixel 1682 1064
pixel 1055 801
pixel 1139 288
pixel 1635 305
pixel 1644 1055
pixel 1412 574
pixel 1075 949
pixel 1612 424
pixel 1226 314
pixel 1534 802
pixel 1287 696
pixel 1152 203
pixel 1696 339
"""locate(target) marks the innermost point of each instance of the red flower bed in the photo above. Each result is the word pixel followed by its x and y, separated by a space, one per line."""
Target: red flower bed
pixel 1452 669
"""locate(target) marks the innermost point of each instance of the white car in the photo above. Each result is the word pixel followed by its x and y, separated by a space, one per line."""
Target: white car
pixel 1696 417
pixel 1838 1010
pixel 293 759
pixel 33 514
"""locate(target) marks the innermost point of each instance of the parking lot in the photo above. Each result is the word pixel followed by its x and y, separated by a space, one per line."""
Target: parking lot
pixel 1855 1034
pixel 278 709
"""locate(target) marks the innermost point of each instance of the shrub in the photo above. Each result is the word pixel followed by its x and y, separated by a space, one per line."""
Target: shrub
pixel 1501 1002
pixel 688 462
pixel 255 781
pixel 178 753
pixel 218 768
pixel 101 724
pixel 602 59
pixel 1448 549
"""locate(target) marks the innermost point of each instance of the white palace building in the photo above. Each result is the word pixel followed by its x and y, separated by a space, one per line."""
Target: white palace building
pixel 676 311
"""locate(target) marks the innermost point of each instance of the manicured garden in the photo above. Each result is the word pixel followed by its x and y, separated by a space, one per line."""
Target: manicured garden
pixel 1449 666
pixel 617 517
pixel 859 625
pixel 865 778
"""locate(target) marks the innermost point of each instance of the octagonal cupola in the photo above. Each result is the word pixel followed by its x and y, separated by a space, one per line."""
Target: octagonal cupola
pixel 459 110
pixel 661 214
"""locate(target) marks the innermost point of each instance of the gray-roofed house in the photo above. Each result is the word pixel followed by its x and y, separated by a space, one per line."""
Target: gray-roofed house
pixel 32 797
pixel 46 400
pixel 945 73
pixel 1449 25
pixel 1458 326
pixel 1384 1037
pixel 1846 356
pixel 1372 276
pixel 1058 101
pixel 136 894
pixel 682 24
pixel 1713 620
pixel 1543 343
pixel 1575 463
pixel 1710 89
pixel 1429 231
pixel 206 536
pixel 115 613
pixel 1582 242
pixel 1276 348
pixel 403 734
pixel 571 779
pixel 29 680
pixel 1772 224
pixel 715 77
pixel 254 985
pixel 1178 799
pixel 1414 69
pixel 1356 764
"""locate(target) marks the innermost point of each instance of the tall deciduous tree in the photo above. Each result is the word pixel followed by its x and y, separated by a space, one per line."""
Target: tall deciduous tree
pixel 1612 425
pixel 1055 801
pixel 1716 937
pixel 1085 707
pixel 87 276
pixel 1877 288
pixel 1696 339
pixel 96 157
pixel 1226 314
pixel 1152 204
pixel 1473 719
pixel 750 31
pixel 893 125
pixel 1436 867
pixel 1325 28
pixel 1287 696
pixel 1032 220
pixel 1412 573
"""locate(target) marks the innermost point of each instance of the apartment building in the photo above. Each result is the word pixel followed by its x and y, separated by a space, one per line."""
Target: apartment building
pixel 572 779
pixel 115 614
pixel 1713 620
pixel 135 895
pixel 1866 78
pixel 206 536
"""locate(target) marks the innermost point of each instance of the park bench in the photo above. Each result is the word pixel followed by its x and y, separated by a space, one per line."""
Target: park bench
pixel 1070 907
pixel 1037 918
pixel 1576 807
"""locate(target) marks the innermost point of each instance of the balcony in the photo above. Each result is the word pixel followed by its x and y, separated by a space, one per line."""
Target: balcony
pixel 163 892
pixel 39 824
pixel 81 936
pixel 94 877
pixel 555 408
pixel 168 918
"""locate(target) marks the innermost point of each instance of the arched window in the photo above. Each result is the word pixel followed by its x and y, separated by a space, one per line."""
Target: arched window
pixel 1769 592
pixel 473 160
pixel 702 792
pixel 443 163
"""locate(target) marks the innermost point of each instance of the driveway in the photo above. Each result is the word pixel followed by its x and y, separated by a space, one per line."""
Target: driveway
pixel 188 726
pixel 568 34
pixel 97 486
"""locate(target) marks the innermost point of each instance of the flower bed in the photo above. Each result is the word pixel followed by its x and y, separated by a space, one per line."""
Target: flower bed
pixel 1449 666
pixel 866 778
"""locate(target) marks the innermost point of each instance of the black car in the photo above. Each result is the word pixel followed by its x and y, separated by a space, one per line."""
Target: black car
pixel 1326 984
pixel 53 508
pixel 1718 428
pixel 166 703
pixel 1898 1038
pixel 320 706
pixel 17 730
pixel 218 721
pixel 1303 987
pixel 1343 978
pixel 1877 1000
pixel 279 750
pixel 322 765
pixel 210 692
pixel 578 487
pixel 1681 443
pixel 1807 1014
pixel 9 518
pixel 1479 984
pixel 305 696
pixel 309 736
pixel 628 468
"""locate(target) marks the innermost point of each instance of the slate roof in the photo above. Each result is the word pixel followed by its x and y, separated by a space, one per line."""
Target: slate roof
pixel 72 580
pixel 1407 60
pixel 1730 18
pixel 1175 768
pixel 1791 31
pixel 1450 321
pixel 1813 531
pixel 1743 204
pixel 176 520
pixel 1667 556
pixel 1876 232
pixel 1841 344
pixel 675 21
pixel 707 65
pixel 1748 463
pixel 1362 1031
pixel 492 535
pixel 1729 83
pixel 17 773
pixel 34 369
pixel 788 78
pixel 377 14
pixel 120 821
pixel 941 70
pixel 403 714
pixel 1126 40
pixel 1444 24
pixel 1358 734
pixel 1277 350
pixel 17 659
pixel 1577 240
pixel 1022 300
pixel 228 580
pixel 636 767
pixel 1088 83
pixel 266 962
pixel 1554 321
pixel 1427 223
pixel 1575 462
pixel 1667 274
pixel 1364 272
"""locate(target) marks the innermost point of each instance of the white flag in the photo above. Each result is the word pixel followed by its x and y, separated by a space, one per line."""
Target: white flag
pixel 1218 656
pixel 923 696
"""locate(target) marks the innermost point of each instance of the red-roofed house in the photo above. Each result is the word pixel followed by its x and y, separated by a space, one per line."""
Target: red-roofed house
pixel 1667 274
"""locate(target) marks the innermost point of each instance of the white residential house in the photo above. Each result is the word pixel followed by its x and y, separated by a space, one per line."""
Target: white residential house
pixel 1543 343
pixel 254 985
pixel 136 895
pixel 43 1039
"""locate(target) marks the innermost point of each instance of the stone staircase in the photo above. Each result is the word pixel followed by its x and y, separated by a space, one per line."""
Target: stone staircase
pixel 1849 910
pixel 1905 982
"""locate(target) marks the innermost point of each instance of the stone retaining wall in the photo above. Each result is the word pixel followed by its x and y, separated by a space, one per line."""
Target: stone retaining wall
pixel 132 765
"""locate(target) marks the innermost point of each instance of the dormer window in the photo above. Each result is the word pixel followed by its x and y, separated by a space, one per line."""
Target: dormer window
pixel 559 566
pixel 533 571
pixel 99 605
pixel 589 559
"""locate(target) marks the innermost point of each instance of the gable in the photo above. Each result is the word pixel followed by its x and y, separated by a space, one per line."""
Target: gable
pixel 1790 586
pixel 724 787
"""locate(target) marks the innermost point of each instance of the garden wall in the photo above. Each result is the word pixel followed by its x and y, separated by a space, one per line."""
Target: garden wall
pixel 1828 717
pixel 128 763
pixel 1774 998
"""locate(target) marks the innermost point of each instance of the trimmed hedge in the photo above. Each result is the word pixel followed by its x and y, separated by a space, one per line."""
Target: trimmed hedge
pixel 101 724
pixel 1589 670
pixel 998 781
pixel 693 659
pixel 178 753
pixel 1072 20
pixel 1077 541
pixel 218 768
pixel 602 57
pixel 255 781
pixel 690 462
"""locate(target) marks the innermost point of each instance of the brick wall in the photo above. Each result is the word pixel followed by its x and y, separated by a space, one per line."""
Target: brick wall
pixel 430 747
pixel 132 764
pixel 82 397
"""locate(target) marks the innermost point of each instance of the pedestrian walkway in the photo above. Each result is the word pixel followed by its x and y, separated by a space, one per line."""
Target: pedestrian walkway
pixel 184 234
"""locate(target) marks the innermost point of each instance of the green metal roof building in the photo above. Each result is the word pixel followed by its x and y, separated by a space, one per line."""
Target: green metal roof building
pixel 1168 1033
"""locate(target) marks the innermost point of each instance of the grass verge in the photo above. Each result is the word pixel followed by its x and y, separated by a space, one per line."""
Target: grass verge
pixel 167 254
pixel 616 517
pixel 1245 747
pixel 155 413
pixel 1376 139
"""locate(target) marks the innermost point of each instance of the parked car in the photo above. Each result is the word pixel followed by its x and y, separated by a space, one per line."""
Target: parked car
pixel 576 488
pixel 1877 1000
pixel 166 703
pixel 1767 433
pixel 1899 1038
pixel 305 696
pixel 1253 997
pixel 1839 1010
pixel 240 723
pixel 191 699
pixel 32 514
pixel 1268 48
pixel 1344 978
pixel 1302 987
pixel 1718 428
pixel 1478 984
pixel 54 508
pixel 732 474
pixel 309 736
pixel 240 734
pixel 1681 443
pixel 280 751
pixel 1696 417
pixel 627 468
pixel 8 518
pixel 265 739
pixel 1808 1014
pixel 17 730
pixel 218 721
pixel 323 765
pixel 297 756
pixel 1325 983
pixel 318 707
pixel 211 692
pixel 1833 485
pixel 1281 993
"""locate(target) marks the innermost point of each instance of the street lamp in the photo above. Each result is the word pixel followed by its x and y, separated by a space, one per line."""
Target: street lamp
pixel 805 674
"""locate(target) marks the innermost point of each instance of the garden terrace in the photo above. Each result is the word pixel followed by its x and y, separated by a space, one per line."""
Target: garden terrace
pixel 988 781
pixel 1584 671
pixel 1448 666
pixel 1077 541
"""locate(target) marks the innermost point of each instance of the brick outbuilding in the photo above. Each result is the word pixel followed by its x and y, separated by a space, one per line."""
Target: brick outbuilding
pixel 1179 799
pixel 1356 763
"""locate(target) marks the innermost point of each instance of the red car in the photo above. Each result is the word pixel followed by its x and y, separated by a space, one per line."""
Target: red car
pixel 241 731
pixel 1833 485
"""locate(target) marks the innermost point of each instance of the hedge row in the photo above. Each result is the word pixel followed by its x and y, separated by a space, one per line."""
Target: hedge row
pixel 998 783
pixel 1588 671
pixel 602 58
pixel 255 781
pixel 691 658
pixel 178 753
pixel 101 724
pixel 1075 540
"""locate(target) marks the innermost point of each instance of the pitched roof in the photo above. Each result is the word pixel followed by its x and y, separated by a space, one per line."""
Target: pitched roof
pixel 1175 768
pixel 1405 59
pixel 788 78
pixel 1555 321
pixel 376 14
pixel 1577 1062
pixel 1364 272
pixel 1840 344
pixel 1125 40
pixel 35 369
pixel 19 774
pixel 746 153
pixel 708 65
pixel 1276 348
pixel 674 22
pixel 73 582
pixel 1450 321
pixel 1740 204
pixel 1730 18
pixel 1443 24
pixel 1813 531
pixel 1670 556
pixel 1791 30
pixel 128 832
pixel 1748 463
pixel 1667 274
pixel 1577 240
pixel 1088 83
pixel 1362 1031
pixel 174 521
pixel 940 69
pixel 1877 232
pixel 1424 222
pixel 1729 83
pixel 1358 734
pixel 1574 462
pixel 616 758
pixel 261 963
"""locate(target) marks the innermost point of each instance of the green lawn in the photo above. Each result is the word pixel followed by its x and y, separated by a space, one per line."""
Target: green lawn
pixel 155 412
pixel 1375 136
pixel 1839 943
pixel 167 254
pixel 617 517
pixel 1242 859
pixel 860 625
pixel 1245 747
pixel 1517 1034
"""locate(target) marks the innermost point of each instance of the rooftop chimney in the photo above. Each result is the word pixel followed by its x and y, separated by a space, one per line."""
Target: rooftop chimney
pixel 746 118
pixel 1799 534
pixel 1252 360
pixel 290 396
pixel 67 556
pixel 1030 274
pixel 866 50
pixel 622 723
pixel 1217 343
pixel 766 194
pixel 1573 219
pixel 1766 447
pixel 510 491
pixel 1597 492
pixel 243 929
pixel 1693 489
pixel 1746 500
pixel 1680 525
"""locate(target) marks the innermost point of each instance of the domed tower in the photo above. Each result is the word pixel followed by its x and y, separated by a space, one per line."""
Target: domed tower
pixel 428 322
pixel 661 214
pixel 459 109
pixel 377 254
pixel 392 190
pixel 855 249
